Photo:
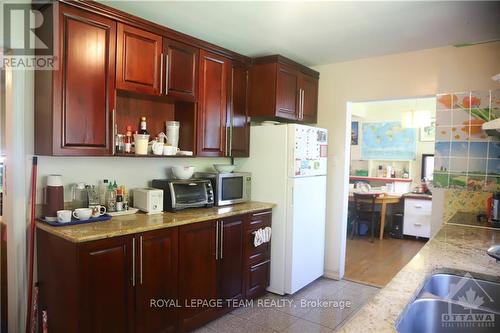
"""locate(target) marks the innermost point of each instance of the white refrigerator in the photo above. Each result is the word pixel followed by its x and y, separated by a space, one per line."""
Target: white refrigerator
pixel 288 166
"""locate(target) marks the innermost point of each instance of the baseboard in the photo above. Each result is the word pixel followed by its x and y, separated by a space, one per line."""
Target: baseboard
pixel 331 274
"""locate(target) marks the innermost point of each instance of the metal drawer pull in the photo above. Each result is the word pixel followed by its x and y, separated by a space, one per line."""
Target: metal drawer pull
pixel 261 213
pixel 221 238
pixel 260 264
pixel 217 240
pixel 418 206
pixel 140 257
pixel 417 224
pixel 133 262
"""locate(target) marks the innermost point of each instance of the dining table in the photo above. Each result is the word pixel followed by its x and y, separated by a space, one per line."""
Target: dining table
pixel 383 199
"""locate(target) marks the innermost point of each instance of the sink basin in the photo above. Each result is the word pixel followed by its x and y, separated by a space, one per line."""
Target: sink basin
pixel 453 303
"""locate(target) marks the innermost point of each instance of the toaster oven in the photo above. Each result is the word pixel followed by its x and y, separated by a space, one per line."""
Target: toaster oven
pixel 181 194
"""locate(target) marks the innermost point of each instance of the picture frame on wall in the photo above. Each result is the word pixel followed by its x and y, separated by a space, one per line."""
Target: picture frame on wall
pixel 354 133
pixel 428 133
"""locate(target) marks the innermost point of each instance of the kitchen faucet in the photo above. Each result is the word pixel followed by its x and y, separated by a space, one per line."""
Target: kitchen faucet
pixel 494 252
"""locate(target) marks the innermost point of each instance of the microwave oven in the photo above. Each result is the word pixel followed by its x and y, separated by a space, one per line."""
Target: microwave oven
pixel 229 188
pixel 181 194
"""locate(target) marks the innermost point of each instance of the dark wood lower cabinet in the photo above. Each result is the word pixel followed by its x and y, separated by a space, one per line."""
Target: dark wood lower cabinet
pixel 107 290
pixel 156 281
pixel 134 283
pixel 230 259
pixel 197 273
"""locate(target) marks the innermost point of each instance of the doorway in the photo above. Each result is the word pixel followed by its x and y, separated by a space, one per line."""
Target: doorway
pixel 391 158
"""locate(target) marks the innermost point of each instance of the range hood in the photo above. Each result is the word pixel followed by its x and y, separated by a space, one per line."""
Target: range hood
pixel 492 127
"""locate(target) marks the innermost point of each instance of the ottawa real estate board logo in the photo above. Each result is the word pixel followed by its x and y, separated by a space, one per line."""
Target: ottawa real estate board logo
pixel 28 36
pixel 469 306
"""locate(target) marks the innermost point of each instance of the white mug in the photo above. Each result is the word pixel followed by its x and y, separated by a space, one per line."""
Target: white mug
pixel 97 210
pixel 82 213
pixel 157 148
pixel 170 150
pixel 63 216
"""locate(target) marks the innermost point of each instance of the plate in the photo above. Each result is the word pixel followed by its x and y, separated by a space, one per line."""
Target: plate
pixel 130 211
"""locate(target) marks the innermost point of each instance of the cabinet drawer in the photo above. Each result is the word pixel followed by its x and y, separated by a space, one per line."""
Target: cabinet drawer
pixel 260 219
pixel 257 279
pixel 417 225
pixel 253 254
pixel 418 207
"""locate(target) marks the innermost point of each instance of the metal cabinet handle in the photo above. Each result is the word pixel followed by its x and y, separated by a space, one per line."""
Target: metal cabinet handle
pixel 221 238
pixel 140 258
pixel 226 153
pixel 166 74
pixel 115 130
pixel 161 73
pixel 302 105
pixel 217 240
pixel 417 224
pixel 418 206
pixel 261 213
pixel 133 262
pixel 300 101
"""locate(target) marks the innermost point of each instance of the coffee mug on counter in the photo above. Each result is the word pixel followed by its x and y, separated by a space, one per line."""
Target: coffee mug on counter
pixel 97 210
pixel 82 213
pixel 157 148
pixel 170 150
pixel 63 216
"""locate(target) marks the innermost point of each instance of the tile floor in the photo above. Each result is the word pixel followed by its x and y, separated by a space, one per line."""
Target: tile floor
pixel 296 313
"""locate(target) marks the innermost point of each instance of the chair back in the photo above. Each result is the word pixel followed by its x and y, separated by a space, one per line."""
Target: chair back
pixel 364 205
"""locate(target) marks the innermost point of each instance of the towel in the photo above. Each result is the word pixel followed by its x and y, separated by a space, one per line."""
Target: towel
pixel 262 236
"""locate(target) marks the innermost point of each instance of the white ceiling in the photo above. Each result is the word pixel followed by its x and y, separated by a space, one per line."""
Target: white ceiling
pixel 317 33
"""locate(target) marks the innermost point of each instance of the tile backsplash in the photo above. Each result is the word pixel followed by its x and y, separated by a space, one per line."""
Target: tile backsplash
pixel 464 201
pixel 465 157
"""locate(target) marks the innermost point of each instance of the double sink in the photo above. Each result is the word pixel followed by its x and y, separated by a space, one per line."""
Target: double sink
pixel 454 301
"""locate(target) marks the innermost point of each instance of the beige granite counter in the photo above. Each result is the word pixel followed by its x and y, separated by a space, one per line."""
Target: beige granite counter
pixel 140 222
pixel 455 247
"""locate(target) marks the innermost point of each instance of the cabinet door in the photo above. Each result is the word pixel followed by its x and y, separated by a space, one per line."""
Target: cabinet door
pixel 156 258
pixel 107 285
pixel 211 125
pixel 197 272
pixel 181 70
pixel 84 84
pixel 309 107
pixel 230 266
pixel 138 60
pixel 287 92
pixel 257 279
pixel 238 112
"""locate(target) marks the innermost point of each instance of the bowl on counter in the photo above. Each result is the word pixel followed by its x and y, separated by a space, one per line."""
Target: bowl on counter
pixel 182 172
pixel 224 168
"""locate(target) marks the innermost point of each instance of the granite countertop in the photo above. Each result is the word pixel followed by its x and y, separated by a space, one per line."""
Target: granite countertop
pixel 411 195
pixel 471 219
pixel 454 247
pixel 140 222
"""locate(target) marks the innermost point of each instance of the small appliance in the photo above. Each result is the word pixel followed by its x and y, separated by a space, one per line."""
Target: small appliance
pixel 54 197
pixel 149 200
pixel 229 188
pixel 185 193
pixel 495 207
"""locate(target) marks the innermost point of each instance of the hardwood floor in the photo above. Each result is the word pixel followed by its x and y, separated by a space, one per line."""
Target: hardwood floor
pixel 378 262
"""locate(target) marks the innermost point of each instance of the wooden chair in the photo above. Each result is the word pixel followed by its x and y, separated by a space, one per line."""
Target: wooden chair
pixel 364 210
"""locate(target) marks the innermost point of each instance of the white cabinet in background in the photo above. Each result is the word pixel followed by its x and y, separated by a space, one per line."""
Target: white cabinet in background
pixel 417 217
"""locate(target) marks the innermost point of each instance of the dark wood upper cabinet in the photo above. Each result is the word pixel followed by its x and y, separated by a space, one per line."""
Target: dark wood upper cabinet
pixel 212 103
pixel 230 265
pixel 74 103
pixel 239 121
pixel 106 285
pixel 157 269
pixel 287 87
pixel 197 272
pixel 309 86
pixel 138 60
pixel 282 88
pixel 181 70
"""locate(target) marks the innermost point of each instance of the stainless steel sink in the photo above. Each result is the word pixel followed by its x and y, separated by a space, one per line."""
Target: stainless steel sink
pixel 453 303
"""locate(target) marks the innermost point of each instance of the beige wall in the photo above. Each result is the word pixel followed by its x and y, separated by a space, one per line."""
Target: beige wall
pixel 421 73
